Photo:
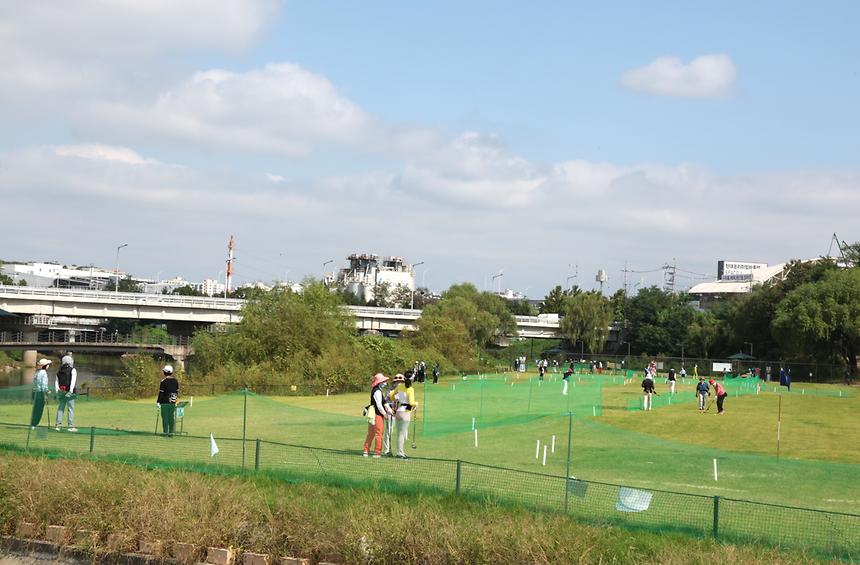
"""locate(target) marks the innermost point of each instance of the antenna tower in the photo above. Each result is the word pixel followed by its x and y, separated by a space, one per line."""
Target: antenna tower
pixel 230 265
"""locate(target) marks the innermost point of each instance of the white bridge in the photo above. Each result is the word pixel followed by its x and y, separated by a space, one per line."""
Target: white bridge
pixel 66 304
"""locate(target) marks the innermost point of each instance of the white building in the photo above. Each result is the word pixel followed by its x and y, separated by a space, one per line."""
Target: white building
pixel 210 287
pixel 45 275
pixel 366 270
pixel 165 286
pixel 509 294
pixel 733 278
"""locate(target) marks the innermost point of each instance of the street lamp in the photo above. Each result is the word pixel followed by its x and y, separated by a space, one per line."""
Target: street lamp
pixel 412 298
pixel 499 276
pixel 116 267
pixel 627 359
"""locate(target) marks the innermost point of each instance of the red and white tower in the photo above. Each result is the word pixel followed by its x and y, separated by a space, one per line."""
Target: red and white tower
pixel 230 265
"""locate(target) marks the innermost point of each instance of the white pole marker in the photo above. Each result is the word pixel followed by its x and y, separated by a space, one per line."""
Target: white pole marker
pixel 476 437
pixel 473 422
pixel 544 456
pixel 715 469
pixel 552 450
pixel 537 450
pixel 191 402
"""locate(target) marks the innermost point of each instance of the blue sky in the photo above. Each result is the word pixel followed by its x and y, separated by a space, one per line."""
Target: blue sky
pixel 473 136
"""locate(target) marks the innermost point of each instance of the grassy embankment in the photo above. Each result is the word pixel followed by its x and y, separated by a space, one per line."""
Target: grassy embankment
pixel 262 514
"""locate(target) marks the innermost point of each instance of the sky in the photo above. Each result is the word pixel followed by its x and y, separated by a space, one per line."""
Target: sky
pixel 540 140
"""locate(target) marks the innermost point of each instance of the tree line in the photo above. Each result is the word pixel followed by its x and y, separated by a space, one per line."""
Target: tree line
pixel 810 313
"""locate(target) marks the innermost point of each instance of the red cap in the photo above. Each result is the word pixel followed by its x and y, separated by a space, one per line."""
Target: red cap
pixel 710 381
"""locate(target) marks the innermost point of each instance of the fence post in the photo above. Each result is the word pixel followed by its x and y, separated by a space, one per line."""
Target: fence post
pixel 457 483
pixel 257 456
pixel 92 438
pixel 213 389
pixel 716 516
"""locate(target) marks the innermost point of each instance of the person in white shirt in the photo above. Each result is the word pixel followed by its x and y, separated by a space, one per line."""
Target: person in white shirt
pixel 67 378
pixel 40 392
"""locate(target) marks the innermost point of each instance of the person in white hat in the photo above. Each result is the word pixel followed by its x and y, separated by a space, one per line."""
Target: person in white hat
pixel 40 391
pixel 168 394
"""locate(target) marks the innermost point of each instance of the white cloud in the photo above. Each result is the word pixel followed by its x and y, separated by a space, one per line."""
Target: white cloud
pixel 471 207
pixel 56 49
pixel 708 76
pixel 280 108
pixel 100 152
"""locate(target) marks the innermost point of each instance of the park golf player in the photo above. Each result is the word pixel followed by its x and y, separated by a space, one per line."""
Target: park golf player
pixel 67 377
pixel 168 394
pixel 702 391
pixel 721 395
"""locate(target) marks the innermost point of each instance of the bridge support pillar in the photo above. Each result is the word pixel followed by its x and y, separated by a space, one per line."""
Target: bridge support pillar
pixel 29 358
pixel 179 362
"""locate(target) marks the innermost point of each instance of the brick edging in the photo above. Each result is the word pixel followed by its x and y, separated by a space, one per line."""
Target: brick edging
pixel 27 546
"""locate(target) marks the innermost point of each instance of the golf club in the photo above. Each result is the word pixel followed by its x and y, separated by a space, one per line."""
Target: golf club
pixel 414 446
pixel 708 407
pixel 157 414
pixel 48 408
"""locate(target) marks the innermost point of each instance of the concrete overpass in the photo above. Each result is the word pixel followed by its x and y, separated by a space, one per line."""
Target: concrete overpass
pixel 72 307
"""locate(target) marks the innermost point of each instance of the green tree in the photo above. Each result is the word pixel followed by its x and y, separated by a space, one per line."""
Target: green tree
pixel 851 253
pixel 586 317
pixel 186 290
pixel 658 321
pixel 702 334
pixel 553 303
pixel 381 294
pixel 521 308
pixel 485 316
pixel 400 297
pixel 5 279
pixel 822 319
pixel 128 285
pixel 749 317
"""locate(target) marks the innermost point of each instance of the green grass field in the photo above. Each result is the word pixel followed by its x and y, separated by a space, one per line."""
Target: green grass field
pixel 670 448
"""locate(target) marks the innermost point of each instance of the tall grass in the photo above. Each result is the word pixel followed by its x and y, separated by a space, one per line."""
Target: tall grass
pixel 344 525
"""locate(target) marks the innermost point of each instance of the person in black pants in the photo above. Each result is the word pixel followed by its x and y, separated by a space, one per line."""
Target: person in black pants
pixel 168 394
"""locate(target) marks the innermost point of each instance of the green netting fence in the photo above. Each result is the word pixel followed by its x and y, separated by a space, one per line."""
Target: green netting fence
pixel 829 534
pixel 490 402
pixel 735 387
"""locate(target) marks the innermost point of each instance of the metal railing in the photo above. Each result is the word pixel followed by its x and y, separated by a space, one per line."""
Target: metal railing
pixel 829 534
pixel 134 298
pixel 96 338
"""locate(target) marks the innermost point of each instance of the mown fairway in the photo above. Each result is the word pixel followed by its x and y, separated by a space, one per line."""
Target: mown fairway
pixel 670 448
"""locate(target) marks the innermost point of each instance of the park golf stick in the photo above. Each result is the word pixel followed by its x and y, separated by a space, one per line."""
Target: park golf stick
pixel 414 446
pixel 48 408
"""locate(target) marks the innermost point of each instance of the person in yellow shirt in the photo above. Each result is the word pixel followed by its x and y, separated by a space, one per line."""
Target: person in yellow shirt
pixel 403 401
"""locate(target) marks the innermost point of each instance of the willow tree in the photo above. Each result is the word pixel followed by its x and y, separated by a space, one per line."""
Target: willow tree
pixel 586 318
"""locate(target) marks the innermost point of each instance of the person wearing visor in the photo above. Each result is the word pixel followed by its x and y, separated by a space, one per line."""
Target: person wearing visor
pixel 403 398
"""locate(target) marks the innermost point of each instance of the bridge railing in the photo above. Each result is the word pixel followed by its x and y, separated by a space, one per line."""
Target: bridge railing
pixel 106 338
pixel 135 298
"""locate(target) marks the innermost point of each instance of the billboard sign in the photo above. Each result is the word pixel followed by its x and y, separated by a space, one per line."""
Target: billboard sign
pixel 737 270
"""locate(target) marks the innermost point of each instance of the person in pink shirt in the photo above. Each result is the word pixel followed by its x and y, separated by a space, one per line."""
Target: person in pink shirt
pixel 721 395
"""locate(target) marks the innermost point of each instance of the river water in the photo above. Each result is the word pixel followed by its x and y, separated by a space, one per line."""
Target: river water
pixel 90 368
